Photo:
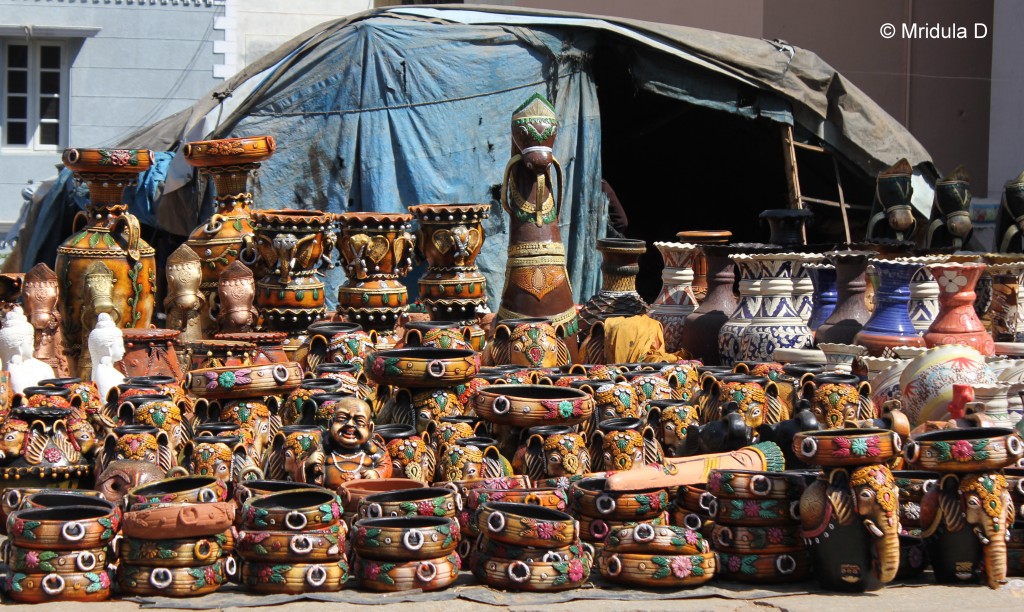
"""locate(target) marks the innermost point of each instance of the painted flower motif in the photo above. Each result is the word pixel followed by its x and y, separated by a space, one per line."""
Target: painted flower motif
pixel 226 379
pixel 425 508
pixel 17 528
pixel 681 566
pixel 264 574
pixel 952 281
pixel 210 574
pixel 371 571
pixel 776 535
pixel 751 508
pixel 104 580
pixel 546 530
pixel 962 450
pixel 715 480
pixel 575 570
pixel 734 563
pixel 120 157
pixel 32 559
pixel 53 455
pixel 691 537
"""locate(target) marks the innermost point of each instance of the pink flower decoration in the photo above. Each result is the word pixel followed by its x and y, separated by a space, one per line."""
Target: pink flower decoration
pixel 425 508
pixel 691 536
pixel 211 379
pixel 242 377
pixel 53 455
pixel 962 450
pixel 751 508
pixel 32 559
pixel 335 510
pixel 545 530
pixel 264 574
pixel 17 528
pixel 104 580
pixel 776 535
pixel 575 570
pixel 842 447
pixel 734 563
pixel 681 566
pixel 372 571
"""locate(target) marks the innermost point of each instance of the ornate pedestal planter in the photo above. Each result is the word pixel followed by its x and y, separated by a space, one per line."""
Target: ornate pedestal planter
pixel 957 322
pixel 747 308
pixel 850 312
pixel 700 330
pixel 890 323
pixel 787 225
pixel 777 324
pixel 228 235
pixel 105 266
pixel 618 296
pixel 676 300
pixel 377 251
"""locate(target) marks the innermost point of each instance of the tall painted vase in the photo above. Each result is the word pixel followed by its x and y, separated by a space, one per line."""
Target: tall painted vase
pixel 957 321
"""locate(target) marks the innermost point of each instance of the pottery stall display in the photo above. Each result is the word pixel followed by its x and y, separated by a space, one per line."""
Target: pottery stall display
pixel 890 323
pixel 659 556
pixel 839 358
pixel 699 336
pixel 409 552
pixel 957 322
pixel 524 547
pixel 777 324
pixel 293 542
pixel 926 382
pixel 967 531
pixel 617 296
pixel 850 515
pixel 377 250
pixel 676 300
pixel 756 530
pixel 105 250
pixel 694 508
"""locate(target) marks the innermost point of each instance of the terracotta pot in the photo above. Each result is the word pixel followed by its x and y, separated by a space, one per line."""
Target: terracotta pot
pixel 249 489
pixel 172 582
pixel 742 540
pixel 422 367
pixel 590 497
pixel 63 586
pixel 410 455
pixel 186 552
pixel 957 322
pixel 405 538
pixel 546 497
pixel 751 484
pixel 847 447
pixel 646 538
pixel 766 568
pixel 179 521
pixel 657 570
pixel 354 491
pixel 296 409
pixel 106 240
pixel 187 490
pixel 49 498
pixel 539 575
pixel 150 352
pixel 975 449
pixel 62 528
pixel 529 342
pixel 219 353
pixel 527 406
pixel 526 525
pixel 694 508
pixel 232 382
pixel 426 574
pixel 310 546
pixel 293 510
pixel 270 345
pixel 701 328
pixel 27 560
pixel 294 579
pixel 836 399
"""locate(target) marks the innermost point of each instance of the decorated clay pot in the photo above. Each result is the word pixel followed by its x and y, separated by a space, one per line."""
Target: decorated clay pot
pixel 957 322
pixel 294 579
pixel 618 296
pixel 426 501
pixel 169 521
pixel 657 570
pixel 927 381
pixel 62 528
pixel 746 309
pixel 186 552
pixel 528 342
pixel 701 329
pixel 424 574
pixel 63 586
pixel 676 300
pixel 232 382
pixel 552 451
pixel 766 568
pixel 248 489
pixel 526 525
pixel 527 406
pixel 975 449
pixel 538 575
pixel 472 458
pixel 741 540
pixel 296 408
pixel 837 399
pixel 299 510
pixel 352 492
pixel 270 345
pixel 410 455
pixel 890 323
pixel 187 490
pixel 777 324
pixel 591 497
pixel 405 538
pixel 310 546
pixel 150 352
pixel 847 447
pixel 27 560
pixel 172 582
pixel 217 353
pixel 850 311
pixel 423 367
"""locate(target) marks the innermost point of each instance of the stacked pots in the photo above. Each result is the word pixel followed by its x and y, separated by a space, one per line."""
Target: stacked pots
pixel 178 538
pixel 409 552
pixel 757 529
pixel 60 553
pixel 602 511
pixel 529 548
pixel 293 542
pixel 646 555
pixel 913 486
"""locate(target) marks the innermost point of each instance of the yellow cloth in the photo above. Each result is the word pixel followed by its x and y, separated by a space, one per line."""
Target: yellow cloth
pixel 634 339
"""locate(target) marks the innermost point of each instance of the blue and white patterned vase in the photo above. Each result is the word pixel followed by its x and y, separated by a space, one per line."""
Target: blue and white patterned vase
pixel 803 286
pixel 777 323
pixel 823 277
pixel 746 309
pixel 924 292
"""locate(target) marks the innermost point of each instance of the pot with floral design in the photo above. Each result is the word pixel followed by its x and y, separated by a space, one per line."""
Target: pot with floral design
pixel 777 324
pixel 294 578
pixel 927 381
pixel 423 574
pixel 957 322
pixel 412 538
pixel 648 555
pixel 676 300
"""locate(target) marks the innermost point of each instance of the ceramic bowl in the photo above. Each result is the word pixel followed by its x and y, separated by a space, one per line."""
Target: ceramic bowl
pixel 518 575
pixel 63 586
pixel 405 538
pixel 741 540
pixel 657 570
pixel 427 501
pixel 353 491
pixel 247 489
pixel 310 546
pixel 975 449
pixel 186 552
pixel 172 581
pixel 229 151
pixel 176 521
pixel 526 525
pixel 597 530
pixel 757 512
pixel 491 548
pixel 62 528
pixel 423 574
pixel 766 568
pixel 548 497
pixel 128 162
pixel 185 490
pixel 50 498
pixel 295 578
pixel 419 367
pixel 528 406
pixel 755 484
pixel 292 510
pixel 847 447
pixel 646 538
pixel 241 382
pixel 589 498
pixel 27 560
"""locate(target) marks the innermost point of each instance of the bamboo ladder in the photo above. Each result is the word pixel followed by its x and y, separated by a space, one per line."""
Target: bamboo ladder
pixel 796 197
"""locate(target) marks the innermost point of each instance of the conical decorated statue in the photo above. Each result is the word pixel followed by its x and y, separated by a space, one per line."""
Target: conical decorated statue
pixel 536 281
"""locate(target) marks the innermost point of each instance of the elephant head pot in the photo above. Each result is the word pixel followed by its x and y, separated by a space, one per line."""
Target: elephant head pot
pixel 553 451
pixel 851 520
pixel 297 454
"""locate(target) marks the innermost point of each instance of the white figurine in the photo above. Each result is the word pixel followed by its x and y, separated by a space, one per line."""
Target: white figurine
pixel 17 344
pixel 106 347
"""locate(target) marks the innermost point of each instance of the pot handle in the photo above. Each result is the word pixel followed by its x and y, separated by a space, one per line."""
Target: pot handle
pixel 133 234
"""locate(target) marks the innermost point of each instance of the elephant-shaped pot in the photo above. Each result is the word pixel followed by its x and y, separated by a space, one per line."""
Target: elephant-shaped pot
pixel 671 419
pixel 411 455
pixel 222 456
pixel 472 458
pixel 624 444
pixel 850 518
pixel 756 398
pixel 552 451
pixel 838 398
pixel 530 342
pixel 297 454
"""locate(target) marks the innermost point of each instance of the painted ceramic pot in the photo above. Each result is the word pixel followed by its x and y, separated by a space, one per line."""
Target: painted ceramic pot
pixel 924 292
pixel 552 451
pixel 62 586
pixel 218 353
pixel 847 447
pixel 292 510
pixel 671 419
pixel 248 489
pixel 450 237
pixel 526 525
pixel 701 329
pixel 423 367
pixel 270 345
pixel 106 244
pixel 777 324
pixel 850 312
pixel 617 400
pixel 411 457
pixel 974 449
pixel 746 309
pixel 170 521
pixel 622 444
pixel 595 531
pixel 913 486
pixel 310 546
pixel 694 508
pixel 232 382
pixel 676 300
pixel 348 375
pixel 756 512
pixel 647 385
pixel 683 380
pixel 515 574
pixel 187 490
pixel 591 497
pixel 296 408
pixel 528 342
pixel 890 323
pixel 333 342
pixel 1005 313
pixel 617 296
pixel 957 322
pixel 839 358
pixel 424 502
pixel 755 398
pixel 294 579
pixel 150 352
pixel 753 484
pixel 50 498
pixel 451 428
pixel 352 492
pixel 437 334
pixel 768 568
pixel 414 538
pixel 744 540
pixel 170 553
pixel 471 459
pixel 527 406
pixel 657 570
pixel 490 548
pixel 824 298
pixel 62 528
pixel 546 497
pixel 884 378
pixel 646 538
pixel 426 574
pixel 927 381
pixel 837 399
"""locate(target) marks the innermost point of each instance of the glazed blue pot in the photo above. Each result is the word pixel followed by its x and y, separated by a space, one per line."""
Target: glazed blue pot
pixel 823 276
pixel 890 323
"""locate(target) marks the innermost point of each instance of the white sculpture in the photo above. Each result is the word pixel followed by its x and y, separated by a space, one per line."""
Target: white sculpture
pixel 106 347
pixel 17 344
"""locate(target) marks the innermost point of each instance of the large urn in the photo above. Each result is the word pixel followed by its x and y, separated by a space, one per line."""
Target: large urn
pixel 618 296
pixel 777 324
pixel 700 330
pixel 890 324
pixel 676 300
pixel 105 244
